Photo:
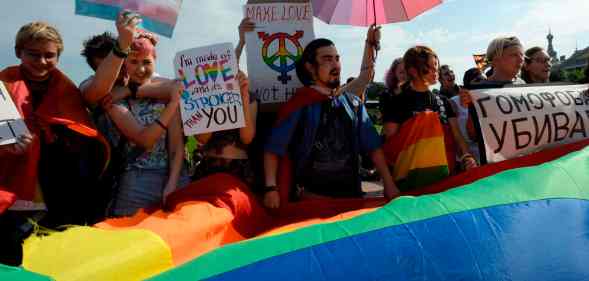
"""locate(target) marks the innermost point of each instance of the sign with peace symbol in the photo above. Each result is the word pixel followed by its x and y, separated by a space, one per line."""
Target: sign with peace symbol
pixel 276 44
pixel 282 61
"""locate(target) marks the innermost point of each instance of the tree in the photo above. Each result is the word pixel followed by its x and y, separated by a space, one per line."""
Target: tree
pixel 575 75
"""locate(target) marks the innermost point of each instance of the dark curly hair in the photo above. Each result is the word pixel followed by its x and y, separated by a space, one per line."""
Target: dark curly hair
pixel 98 46
pixel 310 56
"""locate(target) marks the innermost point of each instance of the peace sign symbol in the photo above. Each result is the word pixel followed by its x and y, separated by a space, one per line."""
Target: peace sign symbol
pixel 282 60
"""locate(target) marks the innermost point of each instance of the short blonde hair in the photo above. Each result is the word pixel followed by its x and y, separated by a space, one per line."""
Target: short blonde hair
pixel 499 44
pixel 38 31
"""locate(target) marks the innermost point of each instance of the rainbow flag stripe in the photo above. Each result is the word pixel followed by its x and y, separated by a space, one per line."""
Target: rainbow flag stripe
pixel 20 274
pixel 418 152
pixel 518 224
pixel 516 220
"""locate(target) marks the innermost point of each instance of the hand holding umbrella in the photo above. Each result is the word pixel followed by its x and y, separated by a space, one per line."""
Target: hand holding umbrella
pixel 366 75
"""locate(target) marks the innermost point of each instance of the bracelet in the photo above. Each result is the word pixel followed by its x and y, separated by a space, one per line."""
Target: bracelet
pixel 157 121
pixel 133 87
pixel 464 156
pixel 116 50
pixel 270 188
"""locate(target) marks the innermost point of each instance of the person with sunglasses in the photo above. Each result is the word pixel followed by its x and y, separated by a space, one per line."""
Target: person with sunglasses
pixel 537 65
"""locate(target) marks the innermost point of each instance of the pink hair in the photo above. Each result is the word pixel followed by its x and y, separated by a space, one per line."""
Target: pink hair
pixel 144 44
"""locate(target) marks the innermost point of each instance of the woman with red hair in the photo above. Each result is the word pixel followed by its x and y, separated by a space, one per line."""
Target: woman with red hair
pixel 155 149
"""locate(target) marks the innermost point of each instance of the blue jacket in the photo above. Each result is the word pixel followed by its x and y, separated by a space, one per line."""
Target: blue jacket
pixel 282 139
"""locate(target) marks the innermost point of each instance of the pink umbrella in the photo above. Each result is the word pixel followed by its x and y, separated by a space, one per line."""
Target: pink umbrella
pixel 369 12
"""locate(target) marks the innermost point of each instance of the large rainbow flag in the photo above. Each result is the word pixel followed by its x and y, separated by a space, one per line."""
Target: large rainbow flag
pixel 521 219
pixel 159 16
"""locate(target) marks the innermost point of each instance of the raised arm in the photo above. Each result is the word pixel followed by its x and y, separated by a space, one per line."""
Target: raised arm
pixel 246 25
pixel 247 133
pixel 108 70
pixel 358 85
pixel 160 89
pixel 145 137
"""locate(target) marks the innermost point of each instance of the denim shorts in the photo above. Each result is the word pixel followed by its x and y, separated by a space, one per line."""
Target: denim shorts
pixel 141 188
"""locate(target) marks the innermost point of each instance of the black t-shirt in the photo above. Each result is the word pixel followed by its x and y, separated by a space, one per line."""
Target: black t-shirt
pixel 449 93
pixel 332 168
pixel 405 105
pixel 384 99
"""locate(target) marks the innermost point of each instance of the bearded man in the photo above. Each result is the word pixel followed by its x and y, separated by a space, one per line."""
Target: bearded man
pixel 322 131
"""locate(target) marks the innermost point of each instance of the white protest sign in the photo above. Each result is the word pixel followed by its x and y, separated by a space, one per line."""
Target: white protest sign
pixel 11 123
pixel 273 48
pixel 211 100
pixel 523 120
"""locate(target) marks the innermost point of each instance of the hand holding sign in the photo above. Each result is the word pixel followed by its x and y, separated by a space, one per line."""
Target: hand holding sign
pixel 22 144
pixel 12 126
pixel 246 25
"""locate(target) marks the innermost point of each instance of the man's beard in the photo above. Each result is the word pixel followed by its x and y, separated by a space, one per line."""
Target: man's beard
pixel 334 84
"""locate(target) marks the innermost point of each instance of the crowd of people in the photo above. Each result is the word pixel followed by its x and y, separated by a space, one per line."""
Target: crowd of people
pixel 114 144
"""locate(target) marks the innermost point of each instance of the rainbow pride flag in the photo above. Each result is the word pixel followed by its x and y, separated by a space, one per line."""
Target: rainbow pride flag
pixel 159 16
pixel 418 152
pixel 517 220
pixel 518 224
pixel 20 274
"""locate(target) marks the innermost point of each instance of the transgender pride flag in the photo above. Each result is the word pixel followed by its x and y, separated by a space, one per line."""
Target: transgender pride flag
pixel 158 16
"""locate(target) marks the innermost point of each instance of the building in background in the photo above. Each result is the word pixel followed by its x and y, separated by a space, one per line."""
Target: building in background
pixel 571 69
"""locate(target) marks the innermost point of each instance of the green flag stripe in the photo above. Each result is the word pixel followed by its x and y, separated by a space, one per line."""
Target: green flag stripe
pixel 565 177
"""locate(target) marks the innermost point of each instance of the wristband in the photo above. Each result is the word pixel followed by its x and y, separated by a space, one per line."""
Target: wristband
pixel 116 50
pixel 270 188
pixel 157 121
pixel 464 156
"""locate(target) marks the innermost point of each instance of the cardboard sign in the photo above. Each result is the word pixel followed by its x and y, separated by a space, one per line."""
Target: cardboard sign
pixel 523 120
pixel 12 125
pixel 273 48
pixel 211 100
pixel 158 16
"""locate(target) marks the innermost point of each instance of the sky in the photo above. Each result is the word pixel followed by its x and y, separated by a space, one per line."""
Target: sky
pixel 456 29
